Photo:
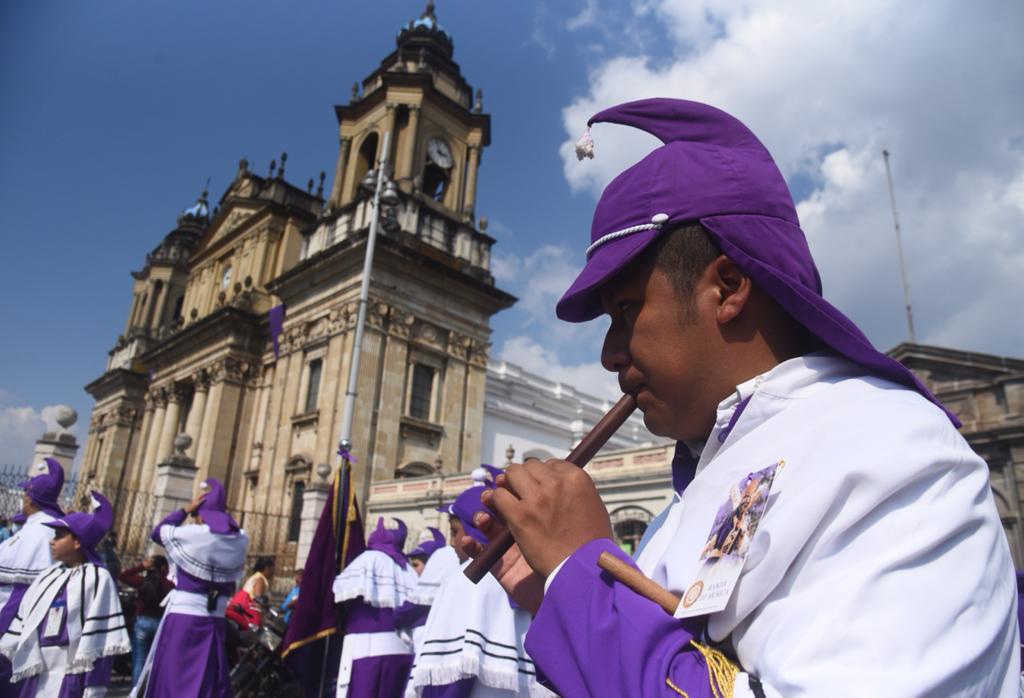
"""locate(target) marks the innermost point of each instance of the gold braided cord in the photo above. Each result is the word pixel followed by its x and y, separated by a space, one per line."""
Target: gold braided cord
pixel 721 671
pixel 675 688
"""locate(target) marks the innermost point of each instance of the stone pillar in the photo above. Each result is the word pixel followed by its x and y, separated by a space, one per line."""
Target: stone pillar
pixel 194 425
pixel 409 151
pixel 156 425
pixel 263 244
pixel 161 306
pixel 175 481
pixel 471 167
pixel 214 452
pixel 313 500
pixel 389 127
pixel 59 445
pixel 170 425
pixel 344 146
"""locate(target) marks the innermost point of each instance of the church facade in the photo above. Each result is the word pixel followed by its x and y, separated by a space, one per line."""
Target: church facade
pixel 197 356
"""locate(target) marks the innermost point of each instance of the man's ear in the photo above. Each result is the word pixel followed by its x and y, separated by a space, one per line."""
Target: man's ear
pixel 733 287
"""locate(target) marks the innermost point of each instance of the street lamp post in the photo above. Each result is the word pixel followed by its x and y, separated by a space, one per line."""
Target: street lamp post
pixel 383 193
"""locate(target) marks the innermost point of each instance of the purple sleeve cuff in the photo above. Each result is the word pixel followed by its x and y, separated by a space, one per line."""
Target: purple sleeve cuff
pixel 594 636
pixel 175 518
pixel 411 615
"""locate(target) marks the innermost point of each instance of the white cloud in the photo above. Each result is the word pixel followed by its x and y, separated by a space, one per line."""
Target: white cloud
pixel 588 377
pixel 827 84
pixel 557 350
pixel 586 17
pixel 20 427
pixel 539 33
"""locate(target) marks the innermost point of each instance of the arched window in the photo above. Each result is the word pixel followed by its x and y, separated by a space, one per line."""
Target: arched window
pixel 629 524
pixel 435 182
pixel 295 518
pixel 367 157
pixel 414 469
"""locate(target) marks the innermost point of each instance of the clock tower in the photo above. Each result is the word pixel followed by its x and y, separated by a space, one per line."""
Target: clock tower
pixel 420 392
pixel 437 125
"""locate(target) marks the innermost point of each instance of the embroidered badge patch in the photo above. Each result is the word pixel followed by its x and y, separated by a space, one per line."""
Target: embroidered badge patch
pixel 728 544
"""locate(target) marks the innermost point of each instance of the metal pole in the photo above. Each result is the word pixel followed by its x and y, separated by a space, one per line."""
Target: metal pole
pixel 351 391
pixel 899 250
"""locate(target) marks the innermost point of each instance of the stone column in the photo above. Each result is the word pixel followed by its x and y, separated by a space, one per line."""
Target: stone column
pixel 389 127
pixel 138 462
pixel 59 445
pixel 471 167
pixel 156 425
pixel 314 497
pixel 170 425
pixel 263 243
pixel 409 151
pixel 161 306
pixel 175 481
pixel 194 425
pixel 344 145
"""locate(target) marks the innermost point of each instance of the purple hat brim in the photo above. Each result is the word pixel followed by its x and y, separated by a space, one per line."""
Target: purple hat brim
pixel 804 304
pixel 90 554
pixel 582 302
pixel 800 297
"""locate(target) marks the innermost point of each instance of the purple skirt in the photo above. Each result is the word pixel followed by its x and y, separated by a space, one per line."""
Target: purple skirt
pixel 380 677
pixel 190 659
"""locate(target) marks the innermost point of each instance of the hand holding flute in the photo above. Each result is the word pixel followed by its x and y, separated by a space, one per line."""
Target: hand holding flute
pixel 550 509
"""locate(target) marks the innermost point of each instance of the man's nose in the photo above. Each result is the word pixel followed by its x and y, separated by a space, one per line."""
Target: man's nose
pixel 614 356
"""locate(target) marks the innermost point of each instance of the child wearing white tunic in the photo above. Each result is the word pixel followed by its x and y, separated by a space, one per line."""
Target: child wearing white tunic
pixel 69 625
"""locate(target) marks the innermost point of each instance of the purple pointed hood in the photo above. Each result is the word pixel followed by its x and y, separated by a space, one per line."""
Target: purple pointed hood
pixel 90 528
pixel 714 170
pixel 389 541
pixel 429 547
pixel 213 508
pixel 45 488
pixel 466 506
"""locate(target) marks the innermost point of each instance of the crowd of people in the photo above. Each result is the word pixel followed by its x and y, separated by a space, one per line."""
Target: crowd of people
pixel 62 620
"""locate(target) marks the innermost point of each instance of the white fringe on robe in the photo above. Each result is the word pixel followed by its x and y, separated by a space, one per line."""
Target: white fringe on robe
pixel 95 623
pixel 473 632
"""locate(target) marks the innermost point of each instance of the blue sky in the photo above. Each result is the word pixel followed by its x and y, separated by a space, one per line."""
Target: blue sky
pixel 115 113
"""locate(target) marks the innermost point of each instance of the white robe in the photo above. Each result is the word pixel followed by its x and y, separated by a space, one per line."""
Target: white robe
pixel 880 567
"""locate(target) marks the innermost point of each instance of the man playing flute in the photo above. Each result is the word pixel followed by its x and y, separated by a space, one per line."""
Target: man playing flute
pixel 831 532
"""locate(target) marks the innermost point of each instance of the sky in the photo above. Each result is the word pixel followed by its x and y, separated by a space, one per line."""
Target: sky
pixel 114 114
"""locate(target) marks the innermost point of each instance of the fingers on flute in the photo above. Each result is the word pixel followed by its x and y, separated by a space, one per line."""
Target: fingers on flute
pixel 520 478
pixel 469 546
pixel 503 503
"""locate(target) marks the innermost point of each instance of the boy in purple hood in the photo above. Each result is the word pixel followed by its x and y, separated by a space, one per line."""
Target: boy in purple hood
pixel 830 534
pixel 375 659
pixel 69 625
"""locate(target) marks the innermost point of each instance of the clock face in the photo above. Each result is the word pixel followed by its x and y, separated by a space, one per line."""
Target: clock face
pixel 439 153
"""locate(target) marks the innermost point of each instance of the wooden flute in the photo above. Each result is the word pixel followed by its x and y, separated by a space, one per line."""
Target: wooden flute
pixel 580 456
